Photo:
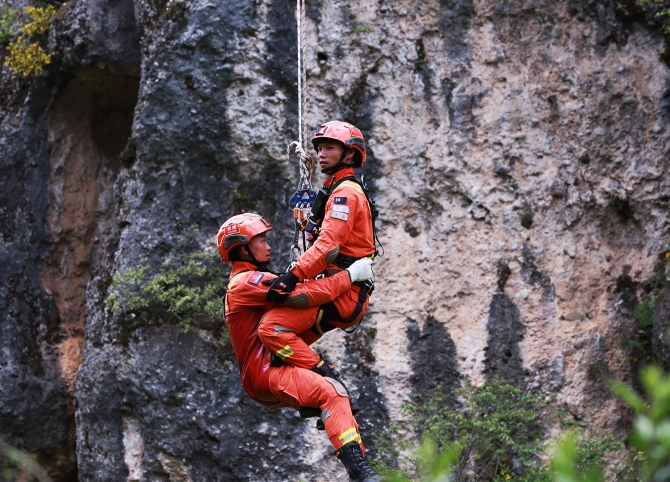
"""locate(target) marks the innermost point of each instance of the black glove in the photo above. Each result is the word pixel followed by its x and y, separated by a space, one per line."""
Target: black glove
pixel 281 287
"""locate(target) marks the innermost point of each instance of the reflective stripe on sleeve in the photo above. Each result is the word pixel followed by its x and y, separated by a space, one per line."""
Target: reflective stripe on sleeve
pixel 285 352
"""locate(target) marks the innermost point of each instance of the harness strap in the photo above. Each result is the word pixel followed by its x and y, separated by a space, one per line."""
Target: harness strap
pixel 329 312
pixel 366 290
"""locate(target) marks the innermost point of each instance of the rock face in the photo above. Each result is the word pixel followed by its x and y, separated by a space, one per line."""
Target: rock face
pixel 518 151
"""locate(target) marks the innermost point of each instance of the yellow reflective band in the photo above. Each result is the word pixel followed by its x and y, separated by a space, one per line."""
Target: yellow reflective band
pixel 348 436
pixel 285 352
pixel 235 278
pixel 318 322
pixel 350 184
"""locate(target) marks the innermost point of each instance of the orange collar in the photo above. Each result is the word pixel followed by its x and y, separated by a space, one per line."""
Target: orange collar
pixel 240 266
pixel 341 174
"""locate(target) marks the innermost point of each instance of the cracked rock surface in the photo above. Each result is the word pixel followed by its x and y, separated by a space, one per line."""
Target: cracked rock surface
pixel 518 152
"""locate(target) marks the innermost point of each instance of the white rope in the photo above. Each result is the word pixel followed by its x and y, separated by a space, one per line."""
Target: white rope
pixel 302 75
pixel 306 164
pixel 302 210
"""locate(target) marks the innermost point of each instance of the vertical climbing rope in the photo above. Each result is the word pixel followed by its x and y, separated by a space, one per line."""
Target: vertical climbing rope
pixel 303 199
pixel 302 74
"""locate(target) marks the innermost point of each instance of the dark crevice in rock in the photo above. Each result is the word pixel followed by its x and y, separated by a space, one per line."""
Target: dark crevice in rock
pixel 358 107
pixel 448 89
pixel 33 398
pixel 89 125
pixel 455 23
pixel 503 356
pixel 281 64
pixel 664 107
pixel 423 71
pixel 434 360
pixel 313 10
pixel 532 276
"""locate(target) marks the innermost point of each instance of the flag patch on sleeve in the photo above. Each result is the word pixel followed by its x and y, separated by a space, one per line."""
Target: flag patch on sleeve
pixel 340 208
pixel 340 200
pixel 255 277
pixel 339 215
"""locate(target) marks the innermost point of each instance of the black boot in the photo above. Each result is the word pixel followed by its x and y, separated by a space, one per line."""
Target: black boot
pixel 325 369
pixel 357 465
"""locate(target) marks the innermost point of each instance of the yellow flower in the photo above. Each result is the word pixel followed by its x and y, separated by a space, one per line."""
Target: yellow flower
pixel 508 477
pixel 640 453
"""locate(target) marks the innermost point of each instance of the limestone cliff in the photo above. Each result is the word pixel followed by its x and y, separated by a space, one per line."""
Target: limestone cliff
pixel 518 151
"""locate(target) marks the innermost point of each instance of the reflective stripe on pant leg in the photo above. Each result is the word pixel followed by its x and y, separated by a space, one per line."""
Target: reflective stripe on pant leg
pixel 304 388
pixel 350 436
pixel 277 332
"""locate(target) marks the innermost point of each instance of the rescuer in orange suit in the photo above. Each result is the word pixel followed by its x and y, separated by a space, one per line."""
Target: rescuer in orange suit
pixel 242 240
pixel 345 234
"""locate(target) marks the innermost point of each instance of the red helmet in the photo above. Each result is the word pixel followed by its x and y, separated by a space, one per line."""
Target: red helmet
pixel 239 230
pixel 347 134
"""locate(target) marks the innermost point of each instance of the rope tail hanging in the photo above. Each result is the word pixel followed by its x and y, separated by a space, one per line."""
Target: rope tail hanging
pixel 303 199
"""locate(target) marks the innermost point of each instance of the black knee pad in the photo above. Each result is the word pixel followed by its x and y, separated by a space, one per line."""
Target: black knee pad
pixel 327 313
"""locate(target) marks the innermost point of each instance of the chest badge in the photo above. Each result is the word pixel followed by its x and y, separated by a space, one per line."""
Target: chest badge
pixel 255 277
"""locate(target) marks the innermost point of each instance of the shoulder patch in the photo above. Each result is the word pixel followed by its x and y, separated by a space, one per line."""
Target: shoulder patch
pixel 341 208
pixel 255 277
pixel 340 200
pixel 339 215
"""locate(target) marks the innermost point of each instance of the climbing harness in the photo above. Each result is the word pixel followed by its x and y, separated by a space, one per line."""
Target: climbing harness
pixel 304 196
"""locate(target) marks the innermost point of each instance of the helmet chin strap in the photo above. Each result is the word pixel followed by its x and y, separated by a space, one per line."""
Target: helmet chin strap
pixel 340 164
pixel 253 259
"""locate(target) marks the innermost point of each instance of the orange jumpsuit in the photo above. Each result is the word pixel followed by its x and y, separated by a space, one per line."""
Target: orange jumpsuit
pixel 274 387
pixel 347 229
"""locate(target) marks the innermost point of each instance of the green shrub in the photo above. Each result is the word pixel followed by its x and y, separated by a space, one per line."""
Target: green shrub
pixel 644 312
pixel 498 426
pixel 651 426
pixel 663 14
pixel 41 20
pixel 26 57
pixel 18 465
pixel 497 435
pixel 10 19
pixel 639 341
pixel 186 290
